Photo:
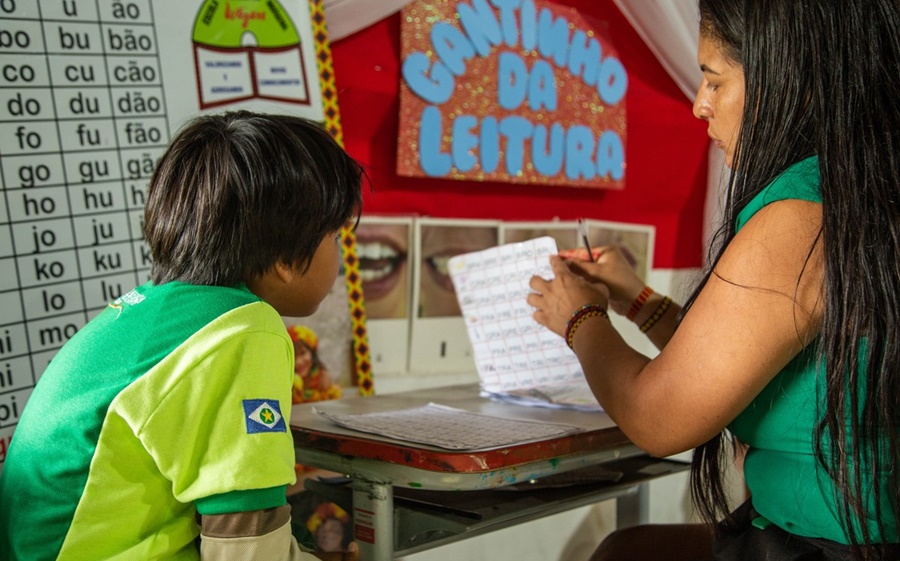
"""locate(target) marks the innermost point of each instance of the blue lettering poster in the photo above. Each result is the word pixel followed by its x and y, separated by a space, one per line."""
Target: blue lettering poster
pixel 530 92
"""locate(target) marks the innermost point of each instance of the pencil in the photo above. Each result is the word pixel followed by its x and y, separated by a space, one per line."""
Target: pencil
pixel 582 231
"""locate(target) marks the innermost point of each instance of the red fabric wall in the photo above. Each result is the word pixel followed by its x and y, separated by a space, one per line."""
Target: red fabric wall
pixel 666 148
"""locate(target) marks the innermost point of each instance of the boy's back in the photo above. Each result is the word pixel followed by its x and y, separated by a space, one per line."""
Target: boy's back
pixel 169 397
pixel 163 418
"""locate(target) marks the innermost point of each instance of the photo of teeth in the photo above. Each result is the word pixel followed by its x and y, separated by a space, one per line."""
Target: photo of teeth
pixel 382 247
pixel 377 260
pixel 439 263
pixel 441 239
pixel 413 315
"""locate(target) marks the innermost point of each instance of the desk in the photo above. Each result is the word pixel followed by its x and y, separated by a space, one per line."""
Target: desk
pixel 376 466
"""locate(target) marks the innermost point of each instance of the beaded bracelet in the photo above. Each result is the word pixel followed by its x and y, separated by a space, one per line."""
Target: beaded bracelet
pixel 658 313
pixel 638 303
pixel 583 313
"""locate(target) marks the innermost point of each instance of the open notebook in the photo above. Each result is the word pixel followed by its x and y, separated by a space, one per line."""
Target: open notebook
pixel 517 359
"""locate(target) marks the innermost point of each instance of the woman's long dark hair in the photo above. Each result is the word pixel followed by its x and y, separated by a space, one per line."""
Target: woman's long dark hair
pixel 823 77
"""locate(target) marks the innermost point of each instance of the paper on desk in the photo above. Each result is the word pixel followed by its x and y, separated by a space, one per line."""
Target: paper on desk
pixel 450 428
pixel 572 395
pixel 518 360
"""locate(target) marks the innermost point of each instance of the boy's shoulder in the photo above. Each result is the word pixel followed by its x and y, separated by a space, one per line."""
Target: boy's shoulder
pixel 175 310
pixel 190 295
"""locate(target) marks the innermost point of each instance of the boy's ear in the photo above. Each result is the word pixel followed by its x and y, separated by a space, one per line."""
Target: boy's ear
pixel 284 272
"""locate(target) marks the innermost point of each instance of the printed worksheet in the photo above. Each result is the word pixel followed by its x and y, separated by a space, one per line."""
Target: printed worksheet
pixel 517 358
pixel 449 427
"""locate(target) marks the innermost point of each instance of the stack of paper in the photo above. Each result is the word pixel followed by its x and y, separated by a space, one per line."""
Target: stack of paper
pixel 450 428
pixel 517 359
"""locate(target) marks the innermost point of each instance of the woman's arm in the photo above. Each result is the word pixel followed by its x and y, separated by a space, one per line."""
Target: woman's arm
pixel 624 286
pixel 748 322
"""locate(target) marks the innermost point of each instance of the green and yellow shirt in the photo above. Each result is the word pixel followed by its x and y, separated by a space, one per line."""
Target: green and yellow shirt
pixel 172 402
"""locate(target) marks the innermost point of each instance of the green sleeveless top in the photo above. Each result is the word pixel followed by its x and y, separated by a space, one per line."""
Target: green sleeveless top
pixel 786 482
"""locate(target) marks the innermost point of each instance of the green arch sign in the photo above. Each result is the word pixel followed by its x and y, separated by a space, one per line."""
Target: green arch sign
pixel 224 24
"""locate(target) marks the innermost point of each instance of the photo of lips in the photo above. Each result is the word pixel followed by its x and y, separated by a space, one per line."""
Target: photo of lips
pixel 382 249
pixel 635 241
pixel 437 298
pixel 565 234
pixel 635 244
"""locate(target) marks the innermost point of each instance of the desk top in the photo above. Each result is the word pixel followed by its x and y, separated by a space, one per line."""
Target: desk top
pixel 310 430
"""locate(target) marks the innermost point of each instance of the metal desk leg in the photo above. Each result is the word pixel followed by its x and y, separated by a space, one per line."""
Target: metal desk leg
pixel 373 519
pixel 633 507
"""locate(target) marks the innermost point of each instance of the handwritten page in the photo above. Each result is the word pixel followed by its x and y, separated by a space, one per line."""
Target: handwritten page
pixel 450 428
pixel 512 351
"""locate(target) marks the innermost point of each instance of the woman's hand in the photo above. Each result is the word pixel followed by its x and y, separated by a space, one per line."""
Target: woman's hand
pixel 611 268
pixel 557 299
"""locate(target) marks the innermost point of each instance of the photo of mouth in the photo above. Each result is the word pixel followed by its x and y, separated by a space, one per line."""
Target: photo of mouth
pixel 635 241
pixel 383 250
pixel 566 234
pixel 436 266
pixel 416 323
pixel 635 244
pixel 437 298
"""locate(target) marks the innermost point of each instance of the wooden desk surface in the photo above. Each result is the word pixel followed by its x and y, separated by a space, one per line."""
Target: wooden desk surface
pixel 310 430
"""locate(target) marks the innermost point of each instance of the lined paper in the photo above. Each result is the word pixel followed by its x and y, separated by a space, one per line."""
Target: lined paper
pixel 512 351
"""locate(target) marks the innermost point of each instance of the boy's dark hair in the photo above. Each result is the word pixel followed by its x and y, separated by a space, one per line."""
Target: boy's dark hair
pixel 236 193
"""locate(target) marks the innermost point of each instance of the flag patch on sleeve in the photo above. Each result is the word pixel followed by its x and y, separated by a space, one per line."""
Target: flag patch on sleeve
pixel 263 415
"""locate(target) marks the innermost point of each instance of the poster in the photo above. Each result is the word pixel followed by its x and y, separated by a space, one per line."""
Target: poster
pixel 415 324
pixel 529 92
pixel 91 94
pixel 384 246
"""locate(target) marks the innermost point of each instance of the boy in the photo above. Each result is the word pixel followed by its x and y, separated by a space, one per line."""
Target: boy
pixel 166 416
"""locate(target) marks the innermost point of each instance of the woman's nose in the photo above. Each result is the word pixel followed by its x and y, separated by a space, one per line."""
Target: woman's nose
pixel 702 108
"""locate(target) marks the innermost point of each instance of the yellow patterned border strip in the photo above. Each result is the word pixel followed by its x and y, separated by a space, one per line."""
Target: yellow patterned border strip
pixel 362 360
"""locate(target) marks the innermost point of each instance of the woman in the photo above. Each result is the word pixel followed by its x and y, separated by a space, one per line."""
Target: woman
pixel 791 339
